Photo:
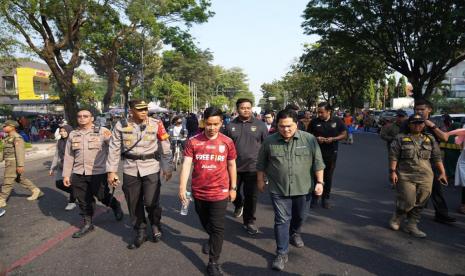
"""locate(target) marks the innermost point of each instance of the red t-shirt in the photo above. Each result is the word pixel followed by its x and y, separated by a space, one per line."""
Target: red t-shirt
pixel 210 178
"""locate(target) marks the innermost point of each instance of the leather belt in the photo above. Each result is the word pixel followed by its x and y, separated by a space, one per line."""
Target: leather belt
pixel 139 156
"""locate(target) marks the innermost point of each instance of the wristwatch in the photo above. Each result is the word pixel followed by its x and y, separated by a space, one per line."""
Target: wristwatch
pixel 233 188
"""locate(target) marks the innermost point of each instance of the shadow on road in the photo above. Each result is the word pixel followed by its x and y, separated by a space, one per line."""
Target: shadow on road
pixel 53 205
pixel 373 262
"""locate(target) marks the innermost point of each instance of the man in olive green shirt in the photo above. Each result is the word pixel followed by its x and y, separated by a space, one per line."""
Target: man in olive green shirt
pixel 291 159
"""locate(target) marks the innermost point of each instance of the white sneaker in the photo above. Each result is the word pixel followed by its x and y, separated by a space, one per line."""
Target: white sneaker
pixel 70 206
pixel 2 212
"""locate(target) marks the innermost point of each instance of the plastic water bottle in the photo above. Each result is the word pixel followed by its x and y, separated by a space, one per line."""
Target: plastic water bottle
pixel 185 207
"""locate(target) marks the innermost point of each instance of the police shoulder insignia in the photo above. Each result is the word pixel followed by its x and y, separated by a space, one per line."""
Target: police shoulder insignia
pixel 406 139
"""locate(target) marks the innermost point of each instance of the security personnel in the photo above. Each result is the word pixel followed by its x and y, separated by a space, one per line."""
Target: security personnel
pixel 248 134
pixel 389 131
pixel 84 169
pixel 14 156
pixel 141 142
pixel 411 173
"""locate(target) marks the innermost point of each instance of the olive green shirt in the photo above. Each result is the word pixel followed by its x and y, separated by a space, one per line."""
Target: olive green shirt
pixel 414 155
pixel 290 166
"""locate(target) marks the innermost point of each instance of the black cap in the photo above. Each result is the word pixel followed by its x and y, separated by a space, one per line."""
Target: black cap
pixel 401 113
pixel 416 118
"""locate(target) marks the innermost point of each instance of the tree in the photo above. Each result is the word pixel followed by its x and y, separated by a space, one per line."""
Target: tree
pixel 420 39
pixel 221 102
pixel 158 20
pixel 371 94
pixel 274 89
pixel 51 29
pixel 344 73
pixel 304 88
pixel 391 88
pixel 401 87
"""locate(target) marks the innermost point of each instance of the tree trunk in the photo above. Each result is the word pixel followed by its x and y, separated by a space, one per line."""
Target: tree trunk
pixel 112 83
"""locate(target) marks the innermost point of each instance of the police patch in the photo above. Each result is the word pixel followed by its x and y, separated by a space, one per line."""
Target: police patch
pixel 253 128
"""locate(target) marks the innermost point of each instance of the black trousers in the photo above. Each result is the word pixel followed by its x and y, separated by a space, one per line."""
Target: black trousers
pixel 211 215
pixel 59 184
pixel 437 197
pixel 463 195
pixel 140 192
pixel 330 166
pixel 86 187
pixel 248 181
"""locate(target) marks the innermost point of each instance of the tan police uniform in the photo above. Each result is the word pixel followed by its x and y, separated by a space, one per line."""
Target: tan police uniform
pixel 413 154
pixel 85 163
pixel 144 148
pixel 14 155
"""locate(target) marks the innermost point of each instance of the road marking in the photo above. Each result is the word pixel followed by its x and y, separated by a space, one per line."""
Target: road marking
pixel 49 244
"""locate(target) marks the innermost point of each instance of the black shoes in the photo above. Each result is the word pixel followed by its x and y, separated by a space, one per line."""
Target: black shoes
pixel 206 248
pixel 251 228
pixel 156 232
pixel 444 219
pixel 296 240
pixel 85 229
pixel 140 238
pixel 117 211
pixel 214 269
pixel 238 211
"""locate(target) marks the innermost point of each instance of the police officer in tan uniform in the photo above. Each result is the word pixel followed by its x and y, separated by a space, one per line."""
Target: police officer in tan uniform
pixel 411 173
pixel 144 146
pixel 14 156
pixel 84 169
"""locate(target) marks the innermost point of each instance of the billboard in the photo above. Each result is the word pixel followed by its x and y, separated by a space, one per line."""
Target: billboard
pixel 26 78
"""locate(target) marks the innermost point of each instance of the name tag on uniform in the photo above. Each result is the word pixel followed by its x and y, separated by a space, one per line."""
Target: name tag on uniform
pixel 225 190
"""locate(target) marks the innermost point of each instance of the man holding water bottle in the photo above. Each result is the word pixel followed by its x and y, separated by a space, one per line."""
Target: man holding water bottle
pixel 213 181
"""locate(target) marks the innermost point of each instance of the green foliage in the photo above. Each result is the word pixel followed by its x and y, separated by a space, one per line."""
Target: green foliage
pixel 340 73
pixel 420 39
pixel 172 94
pixel 274 89
pixel 6 110
pixel 221 102
pixel 401 87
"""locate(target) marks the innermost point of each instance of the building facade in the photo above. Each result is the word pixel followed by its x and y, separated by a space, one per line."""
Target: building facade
pixel 455 79
pixel 27 88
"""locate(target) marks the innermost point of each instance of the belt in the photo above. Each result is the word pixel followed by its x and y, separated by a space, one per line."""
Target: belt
pixel 139 156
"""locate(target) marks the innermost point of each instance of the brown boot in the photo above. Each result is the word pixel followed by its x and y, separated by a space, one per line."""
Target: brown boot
pixel 36 193
pixel 413 230
pixel 395 221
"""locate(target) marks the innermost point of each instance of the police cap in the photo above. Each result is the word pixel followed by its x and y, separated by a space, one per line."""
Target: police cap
pixel 416 118
pixel 138 104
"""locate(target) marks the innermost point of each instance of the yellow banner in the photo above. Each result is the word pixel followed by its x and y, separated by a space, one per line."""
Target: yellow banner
pixel 25 80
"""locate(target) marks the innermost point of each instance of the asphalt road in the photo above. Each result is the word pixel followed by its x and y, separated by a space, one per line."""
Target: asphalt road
pixel 350 239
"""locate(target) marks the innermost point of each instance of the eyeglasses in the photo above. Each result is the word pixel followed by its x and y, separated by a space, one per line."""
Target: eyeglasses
pixel 83 116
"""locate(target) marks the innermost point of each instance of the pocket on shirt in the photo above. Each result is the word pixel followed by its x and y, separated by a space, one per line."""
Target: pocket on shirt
pixel 95 143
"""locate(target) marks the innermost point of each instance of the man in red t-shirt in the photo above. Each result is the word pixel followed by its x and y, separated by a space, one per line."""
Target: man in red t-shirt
pixel 213 181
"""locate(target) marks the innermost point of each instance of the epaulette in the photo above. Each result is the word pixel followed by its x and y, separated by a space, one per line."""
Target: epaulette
pixel 406 139
pixel 96 129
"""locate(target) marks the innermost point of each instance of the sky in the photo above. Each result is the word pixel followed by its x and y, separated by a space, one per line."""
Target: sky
pixel 263 37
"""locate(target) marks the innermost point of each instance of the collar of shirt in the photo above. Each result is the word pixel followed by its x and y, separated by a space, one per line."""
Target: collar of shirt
pixel 295 137
pixel 250 120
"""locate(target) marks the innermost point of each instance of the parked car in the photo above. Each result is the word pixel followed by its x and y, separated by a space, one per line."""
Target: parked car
pixel 439 120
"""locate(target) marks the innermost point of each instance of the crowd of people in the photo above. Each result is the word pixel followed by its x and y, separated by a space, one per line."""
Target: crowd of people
pixel 234 160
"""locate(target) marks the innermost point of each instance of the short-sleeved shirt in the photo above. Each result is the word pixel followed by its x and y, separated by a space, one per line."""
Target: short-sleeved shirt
pixel 247 136
pixel 210 177
pixel 331 128
pixel 290 166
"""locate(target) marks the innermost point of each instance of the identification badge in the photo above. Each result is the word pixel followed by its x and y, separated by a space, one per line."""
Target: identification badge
pixel 253 128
